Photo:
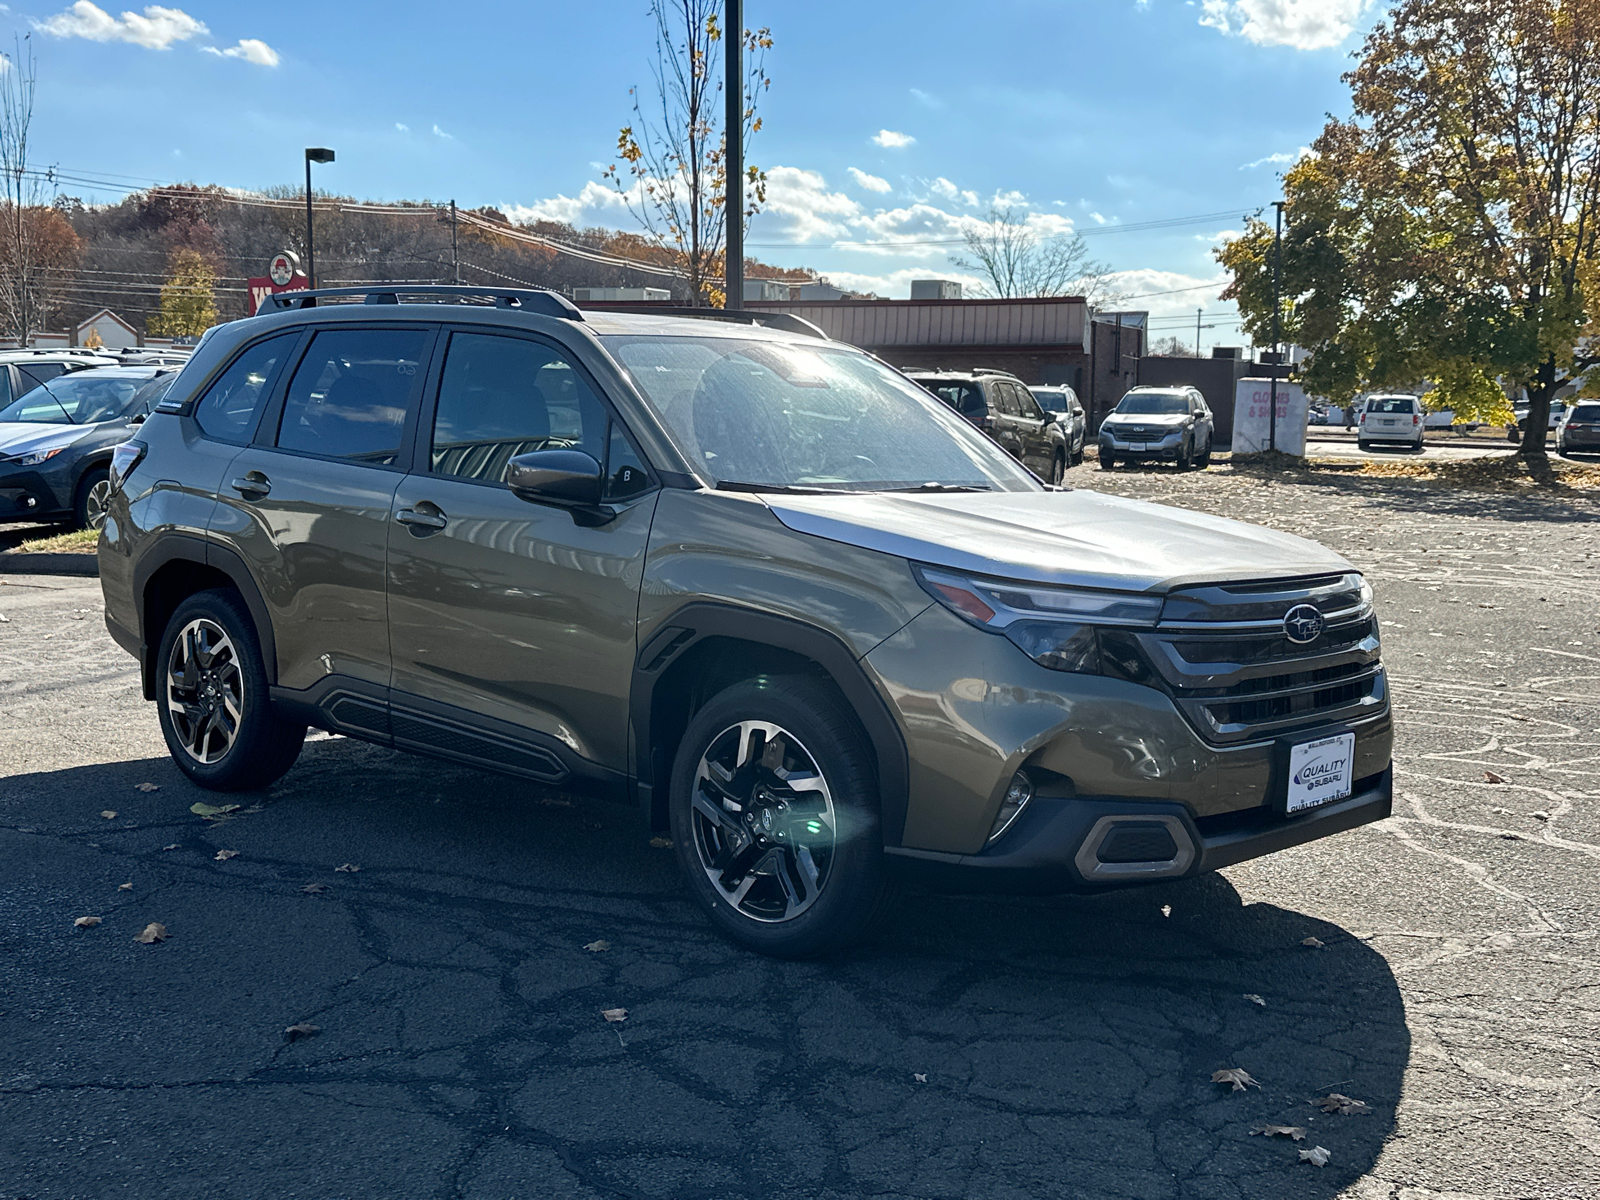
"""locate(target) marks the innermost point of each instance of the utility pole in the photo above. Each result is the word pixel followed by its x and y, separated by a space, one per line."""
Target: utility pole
pixel 1277 314
pixel 1197 313
pixel 733 141
pixel 455 261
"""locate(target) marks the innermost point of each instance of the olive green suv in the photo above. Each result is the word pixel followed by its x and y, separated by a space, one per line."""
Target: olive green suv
pixel 751 581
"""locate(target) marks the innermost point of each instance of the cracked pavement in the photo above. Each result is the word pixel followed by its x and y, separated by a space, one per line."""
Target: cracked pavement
pixel 982 1047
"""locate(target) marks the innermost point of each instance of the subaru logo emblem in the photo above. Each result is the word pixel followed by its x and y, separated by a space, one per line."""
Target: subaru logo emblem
pixel 1302 624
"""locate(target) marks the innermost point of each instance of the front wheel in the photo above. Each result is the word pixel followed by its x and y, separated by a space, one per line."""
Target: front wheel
pixel 1185 456
pixel 94 494
pixel 774 813
pixel 1058 469
pixel 212 698
pixel 1107 460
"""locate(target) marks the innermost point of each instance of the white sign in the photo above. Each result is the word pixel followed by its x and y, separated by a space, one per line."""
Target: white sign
pixel 1320 771
pixel 285 266
pixel 1252 412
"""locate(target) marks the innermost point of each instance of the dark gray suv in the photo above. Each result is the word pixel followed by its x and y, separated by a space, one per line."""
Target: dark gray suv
pixel 753 582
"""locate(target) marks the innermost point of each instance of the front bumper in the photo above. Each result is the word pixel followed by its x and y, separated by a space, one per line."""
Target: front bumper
pixel 1166 447
pixel 27 495
pixel 1056 843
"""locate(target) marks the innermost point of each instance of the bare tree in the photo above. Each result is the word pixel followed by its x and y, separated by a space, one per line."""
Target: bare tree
pixel 38 249
pixel 1015 260
pixel 674 173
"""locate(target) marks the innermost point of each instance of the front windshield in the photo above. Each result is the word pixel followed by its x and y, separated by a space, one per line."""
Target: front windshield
pixel 1152 404
pixel 75 400
pixel 776 415
pixel 1054 401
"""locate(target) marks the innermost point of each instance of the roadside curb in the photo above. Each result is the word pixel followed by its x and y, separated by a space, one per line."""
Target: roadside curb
pixel 13 563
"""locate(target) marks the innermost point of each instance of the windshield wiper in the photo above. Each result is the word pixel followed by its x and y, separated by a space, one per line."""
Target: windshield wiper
pixel 49 391
pixel 782 489
pixel 943 487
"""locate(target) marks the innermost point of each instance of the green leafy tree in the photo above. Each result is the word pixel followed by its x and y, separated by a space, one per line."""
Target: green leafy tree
pixel 188 298
pixel 1450 230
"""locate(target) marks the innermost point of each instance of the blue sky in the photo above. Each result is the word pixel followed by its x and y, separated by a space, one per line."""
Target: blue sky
pixel 892 124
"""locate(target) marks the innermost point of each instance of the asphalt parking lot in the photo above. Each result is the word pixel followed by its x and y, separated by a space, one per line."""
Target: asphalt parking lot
pixel 977 1048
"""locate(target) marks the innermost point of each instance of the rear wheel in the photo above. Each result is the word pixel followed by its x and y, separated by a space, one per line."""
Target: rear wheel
pixel 775 818
pixel 1363 444
pixel 212 698
pixel 94 494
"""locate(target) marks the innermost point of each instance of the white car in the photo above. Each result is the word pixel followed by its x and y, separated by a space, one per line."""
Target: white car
pixel 1391 420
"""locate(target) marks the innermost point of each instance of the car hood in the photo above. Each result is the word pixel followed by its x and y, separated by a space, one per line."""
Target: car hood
pixel 1077 538
pixel 1153 419
pixel 24 437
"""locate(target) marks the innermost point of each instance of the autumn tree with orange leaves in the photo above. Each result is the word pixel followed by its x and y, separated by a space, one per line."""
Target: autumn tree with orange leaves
pixel 1450 229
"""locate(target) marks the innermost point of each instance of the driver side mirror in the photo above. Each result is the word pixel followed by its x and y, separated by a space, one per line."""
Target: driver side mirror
pixel 568 478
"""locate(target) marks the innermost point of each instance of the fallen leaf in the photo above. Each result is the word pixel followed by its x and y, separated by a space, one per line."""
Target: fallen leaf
pixel 174 846
pixel 615 1015
pixel 147 787
pixel 213 810
pixel 920 1078
pixel 347 867
pixel 661 843
pixel 1491 777
pixel 1512 837
pixel 1237 1076
pixel 1166 910
pixel 125 887
pixel 1316 1156
pixel 597 947
pixel 1334 1102
pixel 314 889
pixel 86 922
pixel 1255 999
pixel 109 814
pixel 1312 943
pixel 301 1031
pixel 1289 1131
pixel 1539 814
pixel 225 855
pixel 151 934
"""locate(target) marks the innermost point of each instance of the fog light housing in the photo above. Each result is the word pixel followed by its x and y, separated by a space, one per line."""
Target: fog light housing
pixel 1018 793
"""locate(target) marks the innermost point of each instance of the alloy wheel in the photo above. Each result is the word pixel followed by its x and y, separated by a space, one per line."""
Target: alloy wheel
pixel 95 503
pixel 763 819
pixel 205 690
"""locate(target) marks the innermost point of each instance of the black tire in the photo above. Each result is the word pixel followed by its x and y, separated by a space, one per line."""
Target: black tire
pixel 220 682
pixel 773 907
pixel 1204 460
pixel 1077 455
pixel 1363 445
pixel 94 493
pixel 1185 456
pixel 1058 468
pixel 1107 460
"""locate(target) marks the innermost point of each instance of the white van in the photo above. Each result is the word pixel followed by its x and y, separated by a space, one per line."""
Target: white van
pixel 1390 420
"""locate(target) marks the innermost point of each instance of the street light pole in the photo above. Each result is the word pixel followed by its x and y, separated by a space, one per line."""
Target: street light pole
pixel 1197 313
pixel 733 141
pixel 455 260
pixel 318 154
pixel 1277 314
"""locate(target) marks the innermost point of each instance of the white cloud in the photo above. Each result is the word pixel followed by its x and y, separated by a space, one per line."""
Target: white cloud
pixel 1011 199
pixel 402 128
pixel 156 29
pixel 1279 159
pixel 595 204
pixel 896 285
pixel 1302 24
pixel 890 140
pixel 1167 293
pixel 1097 218
pixel 872 183
pixel 437 132
pixel 1221 235
pixel 926 98
pixel 253 50
pixel 802 208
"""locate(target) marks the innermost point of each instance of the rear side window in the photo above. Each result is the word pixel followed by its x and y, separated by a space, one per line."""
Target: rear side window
pixel 1005 399
pixel 229 409
pixel 351 393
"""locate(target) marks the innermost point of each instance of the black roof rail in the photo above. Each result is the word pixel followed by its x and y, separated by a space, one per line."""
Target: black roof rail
pixel 787 322
pixel 534 300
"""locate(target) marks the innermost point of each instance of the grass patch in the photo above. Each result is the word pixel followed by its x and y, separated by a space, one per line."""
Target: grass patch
pixel 79 541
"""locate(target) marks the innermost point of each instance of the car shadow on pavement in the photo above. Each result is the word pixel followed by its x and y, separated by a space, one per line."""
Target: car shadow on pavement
pixel 983 1047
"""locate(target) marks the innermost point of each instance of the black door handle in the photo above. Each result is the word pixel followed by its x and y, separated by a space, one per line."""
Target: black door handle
pixel 253 483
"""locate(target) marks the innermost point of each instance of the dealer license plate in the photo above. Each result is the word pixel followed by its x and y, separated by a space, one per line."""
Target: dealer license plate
pixel 1320 771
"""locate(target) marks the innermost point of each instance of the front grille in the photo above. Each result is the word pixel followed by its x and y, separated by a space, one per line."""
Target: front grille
pixel 1223 653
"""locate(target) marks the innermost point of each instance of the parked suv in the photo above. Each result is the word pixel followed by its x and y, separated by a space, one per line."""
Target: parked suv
pixel 1158 423
pixel 748 579
pixel 1391 420
pixel 1579 428
pixel 1002 406
pixel 1062 403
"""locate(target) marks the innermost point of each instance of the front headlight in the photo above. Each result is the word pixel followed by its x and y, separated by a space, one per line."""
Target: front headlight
pixel 34 458
pixel 1057 627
